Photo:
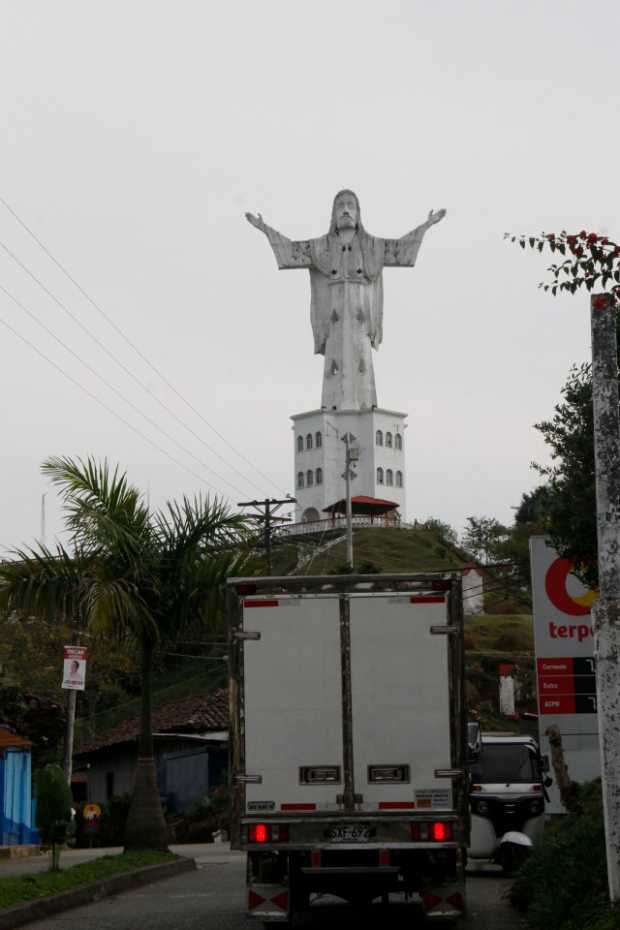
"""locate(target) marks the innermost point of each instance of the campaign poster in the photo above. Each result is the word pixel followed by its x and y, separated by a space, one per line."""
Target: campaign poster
pixel 74 668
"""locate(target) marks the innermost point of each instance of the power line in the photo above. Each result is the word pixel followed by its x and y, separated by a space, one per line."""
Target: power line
pixel 138 351
pixel 105 406
pixel 121 365
pixel 111 387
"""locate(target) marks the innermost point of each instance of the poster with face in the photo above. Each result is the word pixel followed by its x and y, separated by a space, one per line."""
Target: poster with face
pixel 74 668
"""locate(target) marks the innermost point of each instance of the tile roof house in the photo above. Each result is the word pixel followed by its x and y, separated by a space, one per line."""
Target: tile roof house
pixel 190 737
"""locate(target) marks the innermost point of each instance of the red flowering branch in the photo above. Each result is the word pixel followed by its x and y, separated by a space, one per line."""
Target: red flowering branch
pixel 591 261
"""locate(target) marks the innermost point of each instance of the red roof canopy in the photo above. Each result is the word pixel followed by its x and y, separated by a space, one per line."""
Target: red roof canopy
pixel 362 504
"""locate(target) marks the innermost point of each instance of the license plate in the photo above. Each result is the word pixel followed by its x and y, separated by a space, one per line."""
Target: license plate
pixel 349 833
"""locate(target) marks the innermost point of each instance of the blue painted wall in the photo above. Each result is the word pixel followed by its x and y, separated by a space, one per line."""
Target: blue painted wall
pixel 16 822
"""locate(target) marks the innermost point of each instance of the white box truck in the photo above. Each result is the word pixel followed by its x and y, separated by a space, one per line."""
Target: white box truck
pixel 348 742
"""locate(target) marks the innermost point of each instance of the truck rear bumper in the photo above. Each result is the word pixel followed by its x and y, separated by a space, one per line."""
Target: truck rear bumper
pixel 282 883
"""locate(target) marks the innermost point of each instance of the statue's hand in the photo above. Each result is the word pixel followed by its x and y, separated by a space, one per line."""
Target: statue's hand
pixel 435 217
pixel 256 221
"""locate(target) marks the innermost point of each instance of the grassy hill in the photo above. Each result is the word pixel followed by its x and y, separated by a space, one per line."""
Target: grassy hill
pixel 412 549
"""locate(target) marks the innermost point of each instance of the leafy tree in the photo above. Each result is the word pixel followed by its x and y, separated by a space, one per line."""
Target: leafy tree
pixel 132 575
pixel 53 808
pixel 446 533
pixel 486 539
pixel 569 503
pixel 532 508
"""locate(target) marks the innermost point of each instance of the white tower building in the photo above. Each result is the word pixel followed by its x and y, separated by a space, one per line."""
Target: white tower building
pixel 320 455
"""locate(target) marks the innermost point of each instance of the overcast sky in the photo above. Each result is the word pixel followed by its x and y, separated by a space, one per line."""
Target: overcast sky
pixel 136 134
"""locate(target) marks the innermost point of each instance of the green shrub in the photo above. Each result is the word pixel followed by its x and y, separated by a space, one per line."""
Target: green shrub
pixel 563 885
pixel 53 808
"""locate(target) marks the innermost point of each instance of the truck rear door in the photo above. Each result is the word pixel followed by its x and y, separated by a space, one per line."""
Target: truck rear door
pixel 293 703
pixel 401 702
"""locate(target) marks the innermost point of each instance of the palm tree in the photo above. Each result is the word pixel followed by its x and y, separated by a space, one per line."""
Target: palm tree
pixel 128 573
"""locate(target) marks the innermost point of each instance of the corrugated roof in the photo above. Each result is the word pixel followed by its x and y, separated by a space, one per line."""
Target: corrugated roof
pixel 197 713
pixel 10 740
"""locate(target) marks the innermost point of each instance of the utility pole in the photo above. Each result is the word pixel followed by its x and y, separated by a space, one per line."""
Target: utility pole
pixel 351 455
pixel 69 735
pixel 266 516
pixel 43 530
pixel 606 611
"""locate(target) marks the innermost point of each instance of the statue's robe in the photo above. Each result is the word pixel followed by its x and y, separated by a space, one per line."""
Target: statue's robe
pixel 346 304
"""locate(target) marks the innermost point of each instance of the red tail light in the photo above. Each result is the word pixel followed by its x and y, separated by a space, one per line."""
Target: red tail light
pixel 268 833
pixel 259 833
pixel 440 831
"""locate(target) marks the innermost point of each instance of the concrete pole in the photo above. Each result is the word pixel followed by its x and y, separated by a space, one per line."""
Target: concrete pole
pixel 69 734
pixel 606 612
pixel 347 439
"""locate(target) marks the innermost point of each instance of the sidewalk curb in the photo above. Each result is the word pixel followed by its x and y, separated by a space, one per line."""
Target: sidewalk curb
pixel 46 907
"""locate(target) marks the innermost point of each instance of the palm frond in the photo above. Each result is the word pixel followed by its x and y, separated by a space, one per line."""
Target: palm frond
pixel 43 582
pixel 102 510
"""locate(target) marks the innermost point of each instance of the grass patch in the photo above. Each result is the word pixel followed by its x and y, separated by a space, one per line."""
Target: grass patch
pixel 502 633
pixel 43 884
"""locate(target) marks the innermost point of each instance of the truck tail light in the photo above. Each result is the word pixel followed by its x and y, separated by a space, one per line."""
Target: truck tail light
pixel 268 833
pixel 437 832
pixel 441 832
pixel 258 833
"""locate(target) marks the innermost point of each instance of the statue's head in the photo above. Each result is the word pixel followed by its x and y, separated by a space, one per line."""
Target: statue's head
pixel 345 212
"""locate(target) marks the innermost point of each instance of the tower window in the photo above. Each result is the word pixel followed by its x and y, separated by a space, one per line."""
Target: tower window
pixel 300 479
pixel 398 441
pixel 379 438
pixel 388 440
pixel 389 477
pixel 318 440
pixel 399 479
pixel 379 476
pixel 309 478
pixel 309 441
pixel 319 476
pixel 300 443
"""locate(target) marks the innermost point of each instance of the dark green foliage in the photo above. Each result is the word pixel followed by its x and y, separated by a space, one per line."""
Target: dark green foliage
pixel 563 886
pixel 53 803
pixel 569 505
pixel 36 717
pixel 53 808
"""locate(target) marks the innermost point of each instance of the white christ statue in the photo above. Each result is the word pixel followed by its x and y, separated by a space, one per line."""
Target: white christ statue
pixel 346 280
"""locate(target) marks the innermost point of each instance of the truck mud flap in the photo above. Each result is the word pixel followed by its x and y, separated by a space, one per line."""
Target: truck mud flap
pixel 443 902
pixel 269 902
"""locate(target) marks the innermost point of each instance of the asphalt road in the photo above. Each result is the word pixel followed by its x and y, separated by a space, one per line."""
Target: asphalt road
pixel 212 898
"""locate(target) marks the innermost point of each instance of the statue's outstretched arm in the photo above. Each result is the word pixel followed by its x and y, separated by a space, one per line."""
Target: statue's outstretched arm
pixel 404 251
pixel 288 253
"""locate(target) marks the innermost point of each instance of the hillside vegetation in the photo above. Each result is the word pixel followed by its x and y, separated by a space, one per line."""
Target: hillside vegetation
pixel 413 549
